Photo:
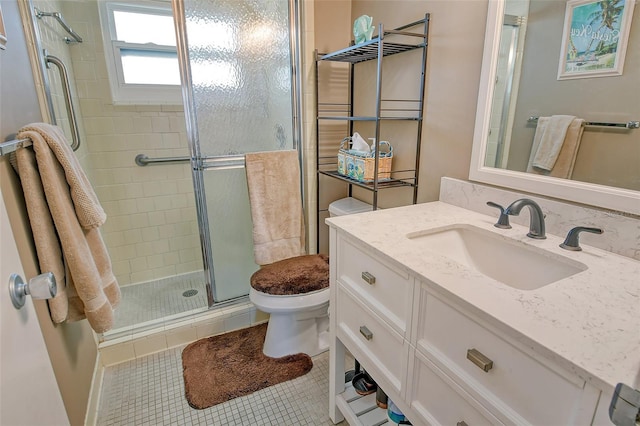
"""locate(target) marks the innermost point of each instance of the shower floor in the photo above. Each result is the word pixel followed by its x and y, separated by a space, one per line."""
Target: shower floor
pixel 155 300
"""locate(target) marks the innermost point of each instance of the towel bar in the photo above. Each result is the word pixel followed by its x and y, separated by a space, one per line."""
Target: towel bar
pixel 628 125
pixel 58 16
pixel 10 146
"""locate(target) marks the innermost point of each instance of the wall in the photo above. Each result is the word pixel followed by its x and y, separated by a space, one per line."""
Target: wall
pixel 452 79
pixel 331 31
pixel 152 230
pixel 456 37
pixel 71 347
pixel 606 157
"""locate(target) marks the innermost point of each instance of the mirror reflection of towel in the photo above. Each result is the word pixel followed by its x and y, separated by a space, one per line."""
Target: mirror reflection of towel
pixel 552 133
pixel 567 150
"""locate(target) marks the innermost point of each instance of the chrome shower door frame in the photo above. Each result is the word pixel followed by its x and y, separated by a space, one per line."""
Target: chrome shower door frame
pixel 200 163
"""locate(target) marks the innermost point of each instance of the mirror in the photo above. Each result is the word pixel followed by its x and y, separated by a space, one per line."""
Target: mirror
pixel 521 79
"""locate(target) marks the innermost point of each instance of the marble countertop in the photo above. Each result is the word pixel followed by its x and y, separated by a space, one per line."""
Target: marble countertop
pixel 588 323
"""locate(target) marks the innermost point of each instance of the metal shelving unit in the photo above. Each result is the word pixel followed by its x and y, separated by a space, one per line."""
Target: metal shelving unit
pixel 387 43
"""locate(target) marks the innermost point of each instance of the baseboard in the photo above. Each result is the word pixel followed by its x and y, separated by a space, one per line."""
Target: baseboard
pixel 91 417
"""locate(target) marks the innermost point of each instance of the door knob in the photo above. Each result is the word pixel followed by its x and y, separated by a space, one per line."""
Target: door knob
pixel 41 287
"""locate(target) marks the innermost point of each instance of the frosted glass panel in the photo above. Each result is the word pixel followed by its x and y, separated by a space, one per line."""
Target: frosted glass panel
pixel 239 55
pixel 230 230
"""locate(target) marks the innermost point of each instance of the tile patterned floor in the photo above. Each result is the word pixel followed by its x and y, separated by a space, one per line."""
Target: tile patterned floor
pixel 150 391
pixel 158 299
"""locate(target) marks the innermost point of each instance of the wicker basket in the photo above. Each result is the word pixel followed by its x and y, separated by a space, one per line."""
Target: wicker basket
pixel 360 166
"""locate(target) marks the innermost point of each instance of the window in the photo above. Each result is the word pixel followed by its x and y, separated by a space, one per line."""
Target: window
pixel 140 51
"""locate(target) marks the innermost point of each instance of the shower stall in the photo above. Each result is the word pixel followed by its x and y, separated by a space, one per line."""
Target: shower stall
pixel 166 159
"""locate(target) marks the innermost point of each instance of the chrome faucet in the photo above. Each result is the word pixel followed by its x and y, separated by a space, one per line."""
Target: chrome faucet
pixel 536 223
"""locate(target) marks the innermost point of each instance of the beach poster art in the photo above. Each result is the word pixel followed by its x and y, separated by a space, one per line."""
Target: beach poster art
pixel 595 38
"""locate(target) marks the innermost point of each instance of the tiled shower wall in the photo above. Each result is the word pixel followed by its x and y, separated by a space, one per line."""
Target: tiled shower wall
pixel 151 230
pixel 52 40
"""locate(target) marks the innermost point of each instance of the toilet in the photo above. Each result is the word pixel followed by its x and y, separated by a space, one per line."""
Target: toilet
pixel 348 205
pixel 295 293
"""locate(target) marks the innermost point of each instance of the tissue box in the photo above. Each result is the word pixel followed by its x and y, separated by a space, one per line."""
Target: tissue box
pixel 361 166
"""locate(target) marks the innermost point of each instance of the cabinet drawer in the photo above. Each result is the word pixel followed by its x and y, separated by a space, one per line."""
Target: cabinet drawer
pixel 434 399
pixel 386 291
pixel 370 340
pixel 517 385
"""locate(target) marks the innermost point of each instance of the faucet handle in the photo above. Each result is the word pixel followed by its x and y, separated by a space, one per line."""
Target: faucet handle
pixel 572 241
pixel 503 220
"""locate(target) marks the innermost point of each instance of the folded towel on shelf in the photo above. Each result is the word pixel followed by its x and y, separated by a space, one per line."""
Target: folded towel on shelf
pixel 273 180
pixel 566 158
pixel 551 133
pixel 65 215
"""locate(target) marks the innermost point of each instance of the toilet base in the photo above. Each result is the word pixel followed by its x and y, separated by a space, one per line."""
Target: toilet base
pixel 304 332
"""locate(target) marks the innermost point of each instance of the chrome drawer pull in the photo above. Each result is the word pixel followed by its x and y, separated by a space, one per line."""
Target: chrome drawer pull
pixel 366 332
pixel 370 279
pixel 462 423
pixel 476 357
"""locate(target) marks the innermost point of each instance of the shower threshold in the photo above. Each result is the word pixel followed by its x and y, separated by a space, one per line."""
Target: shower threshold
pixel 155 304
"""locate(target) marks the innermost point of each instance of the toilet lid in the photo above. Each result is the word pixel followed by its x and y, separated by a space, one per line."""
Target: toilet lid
pixel 295 275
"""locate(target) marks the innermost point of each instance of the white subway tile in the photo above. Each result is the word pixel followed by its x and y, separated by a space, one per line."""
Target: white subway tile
pixel 155 261
pixel 157 218
pixel 150 234
pixel 171 258
pixel 123 252
pixel 133 236
pixel 146 275
pixel 150 345
pixel 117 353
pixel 181 336
pixel 127 207
pixel 236 322
pixel 161 246
pixel 160 124
pixel 210 328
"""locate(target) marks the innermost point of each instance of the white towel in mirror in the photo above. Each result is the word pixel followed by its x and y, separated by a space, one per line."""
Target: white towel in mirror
pixel 551 132
pixel 566 157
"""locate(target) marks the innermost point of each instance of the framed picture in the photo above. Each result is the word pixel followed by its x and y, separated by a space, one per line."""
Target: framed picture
pixel 594 39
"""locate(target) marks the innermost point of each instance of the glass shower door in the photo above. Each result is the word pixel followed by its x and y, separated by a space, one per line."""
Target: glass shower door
pixel 239 98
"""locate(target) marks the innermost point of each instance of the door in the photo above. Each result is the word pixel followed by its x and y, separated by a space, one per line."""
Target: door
pixel 242 97
pixel 29 393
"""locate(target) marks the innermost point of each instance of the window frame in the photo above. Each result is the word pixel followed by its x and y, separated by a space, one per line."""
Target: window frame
pixel 126 93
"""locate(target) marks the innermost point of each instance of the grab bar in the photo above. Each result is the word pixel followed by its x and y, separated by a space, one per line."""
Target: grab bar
pixel 64 76
pixel 218 163
pixel 76 38
pixel 628 125
pixel 142 160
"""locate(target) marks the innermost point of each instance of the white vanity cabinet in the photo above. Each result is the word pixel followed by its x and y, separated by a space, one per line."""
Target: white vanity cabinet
pixel 507 379
pixel 414 341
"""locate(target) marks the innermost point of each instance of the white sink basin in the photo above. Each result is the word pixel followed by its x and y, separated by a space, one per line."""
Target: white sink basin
pixel 500 258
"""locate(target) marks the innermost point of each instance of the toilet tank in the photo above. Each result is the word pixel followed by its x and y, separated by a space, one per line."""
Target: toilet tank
pixel 348 205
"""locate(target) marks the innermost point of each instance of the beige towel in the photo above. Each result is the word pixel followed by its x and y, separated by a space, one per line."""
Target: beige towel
pixel 273 180
pixel 65 214
pixel 565 162
pixel 552 134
